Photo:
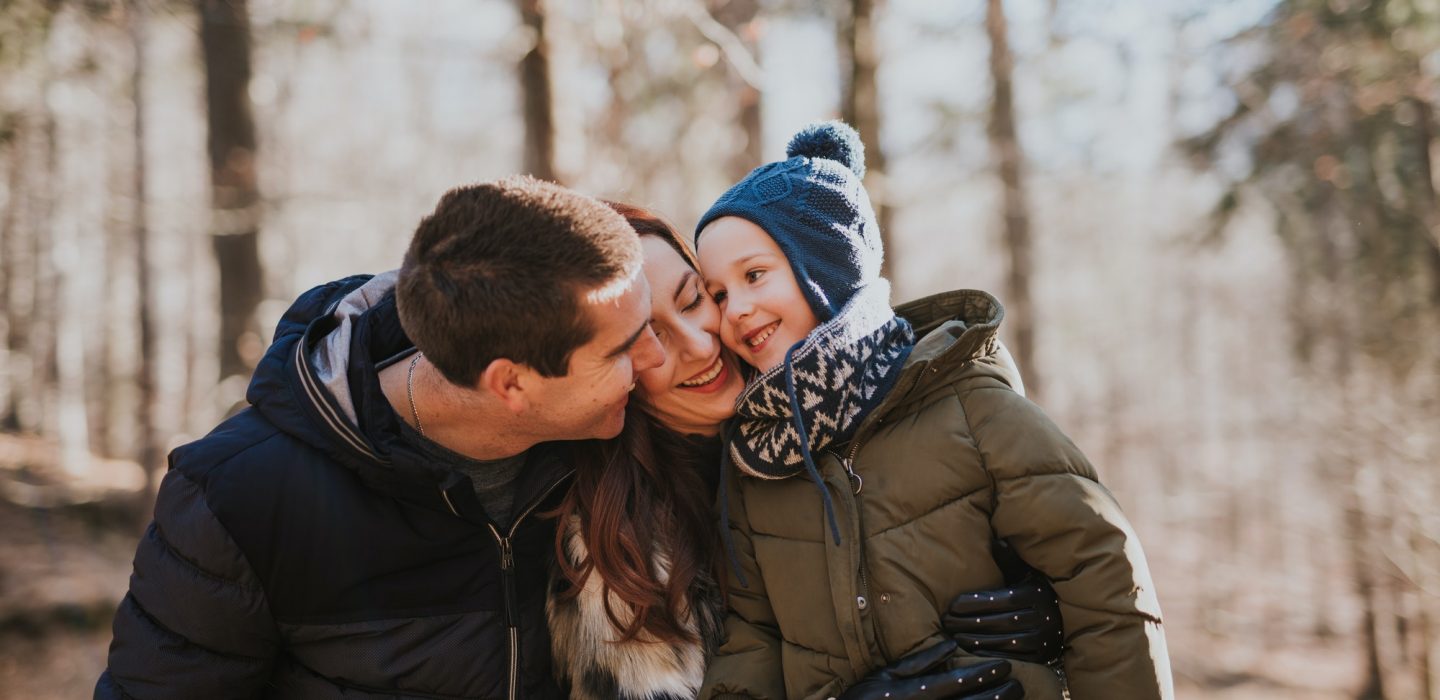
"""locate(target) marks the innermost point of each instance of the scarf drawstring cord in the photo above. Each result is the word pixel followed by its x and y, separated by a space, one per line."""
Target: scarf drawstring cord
pixel 803 437
pixel 901 333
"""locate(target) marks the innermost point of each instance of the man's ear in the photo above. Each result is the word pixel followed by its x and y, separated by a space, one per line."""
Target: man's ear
pixel 507 381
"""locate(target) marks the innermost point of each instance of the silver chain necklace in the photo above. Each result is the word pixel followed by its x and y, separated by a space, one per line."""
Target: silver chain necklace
pixel 410 393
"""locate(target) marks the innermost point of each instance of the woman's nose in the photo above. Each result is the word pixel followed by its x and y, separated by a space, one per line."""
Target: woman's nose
pixel 697 342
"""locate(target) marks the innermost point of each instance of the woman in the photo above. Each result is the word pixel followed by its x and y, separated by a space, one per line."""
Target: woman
pixel 637 603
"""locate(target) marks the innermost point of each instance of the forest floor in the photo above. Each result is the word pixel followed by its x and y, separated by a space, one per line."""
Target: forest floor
pixel 65 564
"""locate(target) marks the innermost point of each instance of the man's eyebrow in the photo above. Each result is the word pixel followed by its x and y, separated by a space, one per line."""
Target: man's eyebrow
pixel 629 342
pixel 684 280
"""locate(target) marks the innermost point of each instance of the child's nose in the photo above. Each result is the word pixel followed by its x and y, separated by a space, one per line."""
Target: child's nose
pixel 737 307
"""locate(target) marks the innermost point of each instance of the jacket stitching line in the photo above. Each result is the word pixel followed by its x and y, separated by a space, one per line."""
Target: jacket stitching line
pixel 958 500
pixel 383 692
pixel 229 538
pixel 194 566
pixel 817 652
pixel 157 624
pixel 1063 472
pixel 1133 612
pixel 970 428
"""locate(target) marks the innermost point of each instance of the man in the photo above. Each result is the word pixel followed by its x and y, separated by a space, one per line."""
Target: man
pixel 368 527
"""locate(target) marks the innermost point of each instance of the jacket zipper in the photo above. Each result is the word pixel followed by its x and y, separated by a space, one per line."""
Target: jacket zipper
pixel 848 462
pixel 507 575
pixel 857 484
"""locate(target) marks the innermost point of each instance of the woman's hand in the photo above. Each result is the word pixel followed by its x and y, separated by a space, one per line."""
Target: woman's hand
pixel 1020 622
pixel 915 678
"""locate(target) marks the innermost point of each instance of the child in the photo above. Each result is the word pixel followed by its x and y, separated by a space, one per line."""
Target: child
pixel 912 425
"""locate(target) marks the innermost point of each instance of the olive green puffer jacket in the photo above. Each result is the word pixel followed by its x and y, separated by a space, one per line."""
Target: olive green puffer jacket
pixel 953 453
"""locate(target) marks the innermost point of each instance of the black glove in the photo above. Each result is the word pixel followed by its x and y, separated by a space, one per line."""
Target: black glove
pixel 916 677
pixel 1020 622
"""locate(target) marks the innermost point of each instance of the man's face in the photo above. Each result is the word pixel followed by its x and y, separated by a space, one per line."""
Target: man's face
pixel 589 401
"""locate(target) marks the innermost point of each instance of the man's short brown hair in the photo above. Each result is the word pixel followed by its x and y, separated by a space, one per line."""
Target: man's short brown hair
pixel 498 270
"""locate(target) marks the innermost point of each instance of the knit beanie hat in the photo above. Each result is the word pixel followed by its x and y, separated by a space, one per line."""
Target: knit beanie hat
pixel 814 205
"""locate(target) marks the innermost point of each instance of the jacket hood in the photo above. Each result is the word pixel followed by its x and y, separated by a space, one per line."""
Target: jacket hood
pixel 301 385
pixel 958 335
pixel 283 369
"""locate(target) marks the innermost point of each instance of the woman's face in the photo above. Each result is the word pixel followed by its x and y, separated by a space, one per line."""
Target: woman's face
pixel 694 391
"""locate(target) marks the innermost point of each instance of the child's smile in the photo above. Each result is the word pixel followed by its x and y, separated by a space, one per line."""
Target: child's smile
pixel 756 338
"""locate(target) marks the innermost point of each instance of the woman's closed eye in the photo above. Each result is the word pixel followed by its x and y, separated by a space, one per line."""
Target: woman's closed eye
pixel 695 303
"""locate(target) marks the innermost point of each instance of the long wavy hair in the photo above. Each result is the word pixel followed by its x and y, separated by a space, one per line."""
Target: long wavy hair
pixel 637 494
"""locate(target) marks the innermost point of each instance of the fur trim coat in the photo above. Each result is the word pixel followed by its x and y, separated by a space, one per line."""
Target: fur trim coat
pixel 588 658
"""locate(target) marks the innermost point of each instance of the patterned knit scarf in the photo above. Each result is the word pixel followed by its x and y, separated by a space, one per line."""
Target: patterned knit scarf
pixel 827 385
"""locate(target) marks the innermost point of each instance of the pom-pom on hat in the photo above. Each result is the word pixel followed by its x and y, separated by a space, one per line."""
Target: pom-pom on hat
pixel 815 208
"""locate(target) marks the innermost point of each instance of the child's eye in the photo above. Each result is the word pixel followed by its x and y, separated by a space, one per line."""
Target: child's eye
pixel 718 295
pixel 754 275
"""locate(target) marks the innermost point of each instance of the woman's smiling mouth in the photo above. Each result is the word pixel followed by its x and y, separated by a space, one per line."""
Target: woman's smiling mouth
pixel 711 377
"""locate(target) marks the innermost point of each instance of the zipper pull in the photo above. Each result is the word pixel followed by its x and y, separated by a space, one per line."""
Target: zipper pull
pixel 856 483
pixel 507 554
pixel 507 577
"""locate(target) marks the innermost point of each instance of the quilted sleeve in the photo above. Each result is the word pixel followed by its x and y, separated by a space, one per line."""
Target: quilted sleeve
pixel 1064 523
pixel 195 622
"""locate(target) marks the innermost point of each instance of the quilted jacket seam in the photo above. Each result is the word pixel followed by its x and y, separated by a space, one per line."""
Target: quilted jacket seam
pixel 230 543
pixel 190 643
pixel 957 501
pixel 199 570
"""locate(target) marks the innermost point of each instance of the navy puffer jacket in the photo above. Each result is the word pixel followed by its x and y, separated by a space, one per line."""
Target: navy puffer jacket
pixel 303 550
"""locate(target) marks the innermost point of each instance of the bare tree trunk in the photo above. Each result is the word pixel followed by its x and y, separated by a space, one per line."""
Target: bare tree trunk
pixel 1373 687
pixel 860 107
pixel 10 322
pixel 34 410
pixel 1005 148
pixel 738 16
pixel 1426 125
pixel 151 443
pixel 536 95
pixel 65 253
pixel 1427 654
pixel 235 196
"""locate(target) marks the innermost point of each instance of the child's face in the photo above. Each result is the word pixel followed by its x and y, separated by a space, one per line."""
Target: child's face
pixel 763 311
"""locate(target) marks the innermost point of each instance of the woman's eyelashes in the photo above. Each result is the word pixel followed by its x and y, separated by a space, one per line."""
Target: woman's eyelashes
pixel 695 303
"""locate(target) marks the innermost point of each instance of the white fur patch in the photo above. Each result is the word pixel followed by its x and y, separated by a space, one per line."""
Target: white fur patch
pixel 588 655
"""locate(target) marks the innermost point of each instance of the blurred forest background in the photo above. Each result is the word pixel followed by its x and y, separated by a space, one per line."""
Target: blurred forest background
pixel 1214 224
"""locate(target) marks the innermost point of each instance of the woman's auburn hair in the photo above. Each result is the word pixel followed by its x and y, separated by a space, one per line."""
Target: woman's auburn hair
pixel 637 494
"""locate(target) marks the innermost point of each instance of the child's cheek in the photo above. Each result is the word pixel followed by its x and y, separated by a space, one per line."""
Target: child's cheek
pixel 728 339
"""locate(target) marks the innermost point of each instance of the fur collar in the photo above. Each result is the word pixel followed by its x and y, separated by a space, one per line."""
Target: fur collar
pixel 587 657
